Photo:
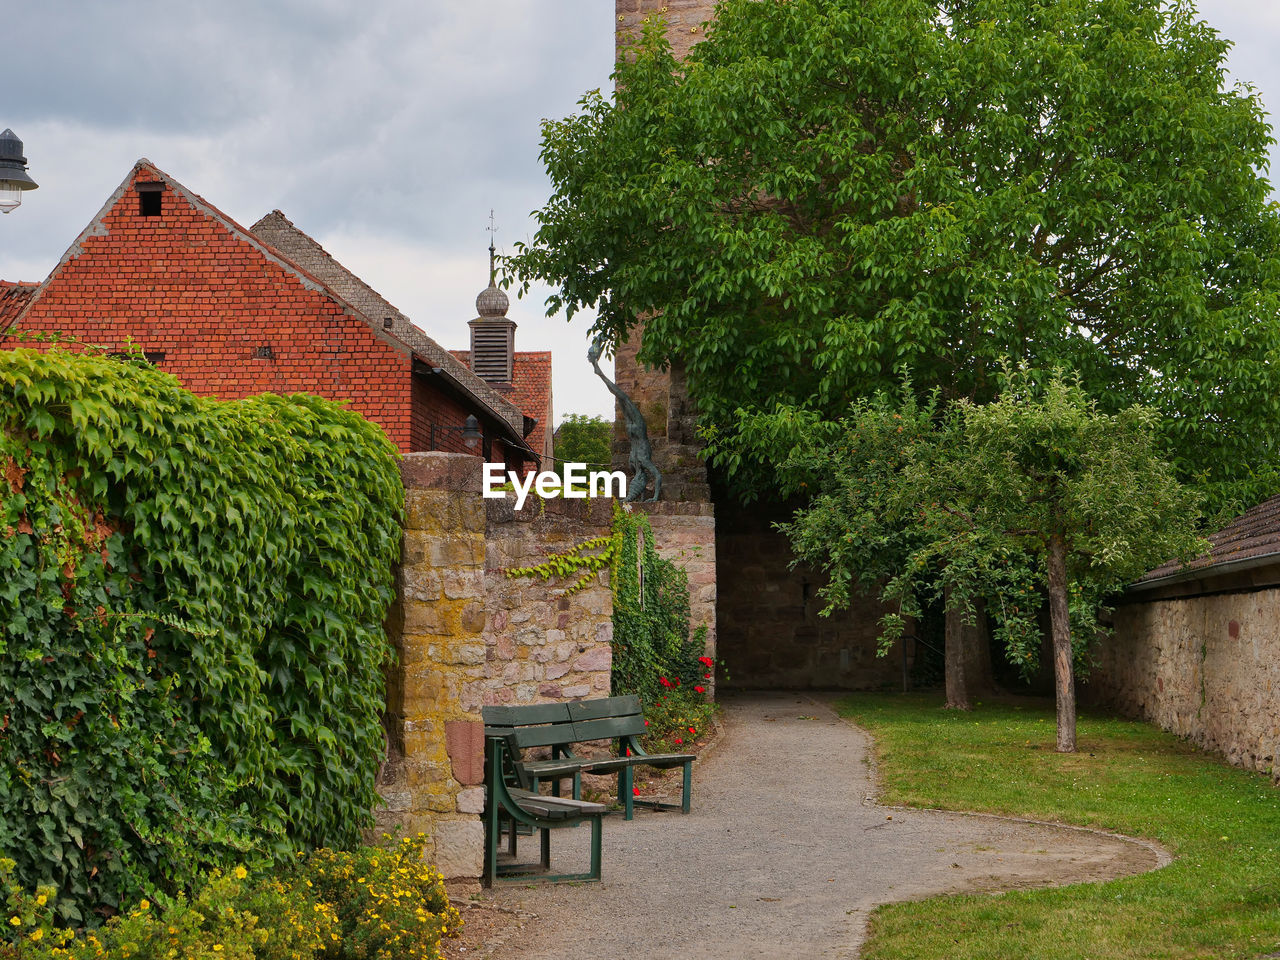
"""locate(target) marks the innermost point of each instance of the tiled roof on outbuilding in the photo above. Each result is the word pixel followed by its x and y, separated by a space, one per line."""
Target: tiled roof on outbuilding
pixel 530 390
pixel 1250 537
pixel 13 297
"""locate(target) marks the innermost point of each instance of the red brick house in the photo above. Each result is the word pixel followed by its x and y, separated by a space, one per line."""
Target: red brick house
pixel 521 377
pixel 231 315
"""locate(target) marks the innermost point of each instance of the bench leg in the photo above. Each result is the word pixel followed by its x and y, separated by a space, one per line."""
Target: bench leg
pixel 595 847
pixel 626 792
pixel 546 849
pixel 684 791
pixel 492 829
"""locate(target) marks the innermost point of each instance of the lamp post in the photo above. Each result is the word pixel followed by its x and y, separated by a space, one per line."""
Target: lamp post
pixel 13 172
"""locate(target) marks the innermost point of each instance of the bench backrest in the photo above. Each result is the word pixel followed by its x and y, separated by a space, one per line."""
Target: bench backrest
pixel 535 725
pixel 552 724
pixel 607 718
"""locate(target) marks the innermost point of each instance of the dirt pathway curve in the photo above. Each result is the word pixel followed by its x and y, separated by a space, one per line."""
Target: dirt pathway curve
pixel 784 854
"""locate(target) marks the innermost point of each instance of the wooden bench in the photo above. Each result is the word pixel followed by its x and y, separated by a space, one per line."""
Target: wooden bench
pixel 509 805
pixel 560 726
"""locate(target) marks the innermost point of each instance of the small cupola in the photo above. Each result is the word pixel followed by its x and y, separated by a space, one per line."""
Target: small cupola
pixel 493 334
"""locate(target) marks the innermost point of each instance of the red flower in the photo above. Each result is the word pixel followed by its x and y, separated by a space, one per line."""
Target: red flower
pixel 706 662
pixel 699 689
pixel 678 740
pixel 646 723
pixel 628 751
pixel 636 791
pixel 693 731
pixel 706 676
pixel 664 681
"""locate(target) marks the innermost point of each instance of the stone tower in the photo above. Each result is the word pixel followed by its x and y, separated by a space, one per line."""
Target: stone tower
pixel 662 395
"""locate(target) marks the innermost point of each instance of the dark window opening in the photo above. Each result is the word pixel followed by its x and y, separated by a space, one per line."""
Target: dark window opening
pixel 149 198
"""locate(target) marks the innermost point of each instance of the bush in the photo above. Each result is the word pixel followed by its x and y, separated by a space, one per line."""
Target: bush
pixel 191 642
pixel 653 650
pixel 383 903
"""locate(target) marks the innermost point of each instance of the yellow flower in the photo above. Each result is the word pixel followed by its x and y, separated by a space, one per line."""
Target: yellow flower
pixel 240 873
pixel 37 935
pixel 41 900
pixel 144 904
pixel 217 947
pixel 15 921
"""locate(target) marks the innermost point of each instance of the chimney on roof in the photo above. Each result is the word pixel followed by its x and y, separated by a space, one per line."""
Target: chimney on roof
pixel 493 335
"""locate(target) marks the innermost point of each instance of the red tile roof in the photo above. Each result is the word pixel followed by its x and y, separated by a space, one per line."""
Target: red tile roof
pixel 13 297
pixel 1252 535
pixel 530 391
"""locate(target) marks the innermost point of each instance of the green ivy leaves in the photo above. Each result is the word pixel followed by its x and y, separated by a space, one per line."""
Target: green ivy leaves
pixel 191 603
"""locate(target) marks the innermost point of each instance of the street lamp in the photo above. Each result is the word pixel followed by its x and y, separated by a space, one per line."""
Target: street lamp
pixel 13 172
pixel 470 430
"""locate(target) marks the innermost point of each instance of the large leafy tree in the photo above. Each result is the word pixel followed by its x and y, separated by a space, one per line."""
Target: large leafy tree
pixel 827 194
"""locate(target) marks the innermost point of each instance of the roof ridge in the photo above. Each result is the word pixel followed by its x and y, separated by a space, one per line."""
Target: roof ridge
pixel 403 328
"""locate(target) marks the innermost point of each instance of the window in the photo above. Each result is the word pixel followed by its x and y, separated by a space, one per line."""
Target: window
pixel 149 195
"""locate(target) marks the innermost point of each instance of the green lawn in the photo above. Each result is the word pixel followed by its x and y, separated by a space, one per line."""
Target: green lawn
pixel 1219 898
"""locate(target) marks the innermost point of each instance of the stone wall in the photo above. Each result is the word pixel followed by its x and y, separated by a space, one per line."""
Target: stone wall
pixel 1206 668
pixel 685 533
pixel 468 635
pixel 540 644
pixel 662 395
pixel 770 631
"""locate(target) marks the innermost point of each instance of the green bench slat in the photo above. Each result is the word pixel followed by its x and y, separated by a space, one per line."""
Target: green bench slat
pixel 607 728
pixel 555 808
pixel 553 735
pixel 528 713
pixel 605 707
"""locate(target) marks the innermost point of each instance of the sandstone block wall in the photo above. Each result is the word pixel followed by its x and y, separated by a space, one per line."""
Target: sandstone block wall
pixel 467 635
pixel 685 533
pixel 1206 668
pixel 540 644
pixel 769 632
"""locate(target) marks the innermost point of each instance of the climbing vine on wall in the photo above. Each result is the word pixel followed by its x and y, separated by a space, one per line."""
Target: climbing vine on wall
pixel 191 604
pixel 652 646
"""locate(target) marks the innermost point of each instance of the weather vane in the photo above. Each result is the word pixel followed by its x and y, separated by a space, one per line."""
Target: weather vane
pixel 492 230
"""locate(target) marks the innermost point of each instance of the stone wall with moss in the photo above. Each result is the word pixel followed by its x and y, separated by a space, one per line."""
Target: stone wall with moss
pixel 1203 667
pixel 467 635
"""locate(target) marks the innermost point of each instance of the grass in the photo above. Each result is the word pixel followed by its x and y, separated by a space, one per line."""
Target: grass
pixel 1219 898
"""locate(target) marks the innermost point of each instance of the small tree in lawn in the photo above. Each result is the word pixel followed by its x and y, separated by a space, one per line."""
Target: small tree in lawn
pixel 1034 493
pixel 1041 475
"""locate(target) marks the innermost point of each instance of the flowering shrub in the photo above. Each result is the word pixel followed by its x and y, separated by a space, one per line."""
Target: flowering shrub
pixel 390 904
pixel 676 719
pixel 369 903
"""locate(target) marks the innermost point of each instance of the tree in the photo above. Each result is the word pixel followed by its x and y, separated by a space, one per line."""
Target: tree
pixel 584 439
pixel 828 194
pixel 1036 491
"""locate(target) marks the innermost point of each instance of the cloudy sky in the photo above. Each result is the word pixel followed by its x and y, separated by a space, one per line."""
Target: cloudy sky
pixel 386 129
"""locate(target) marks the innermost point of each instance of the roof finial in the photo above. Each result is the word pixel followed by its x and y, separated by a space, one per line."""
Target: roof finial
pixel 493 273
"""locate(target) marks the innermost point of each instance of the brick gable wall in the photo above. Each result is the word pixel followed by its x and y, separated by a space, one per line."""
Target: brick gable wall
pixel 193 287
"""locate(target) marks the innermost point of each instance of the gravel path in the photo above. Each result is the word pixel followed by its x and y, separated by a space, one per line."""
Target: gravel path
pixel 785 853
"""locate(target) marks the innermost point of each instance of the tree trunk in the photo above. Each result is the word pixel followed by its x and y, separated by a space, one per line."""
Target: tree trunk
pixel 1060 627
pixel 979 676
pixel 953 653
